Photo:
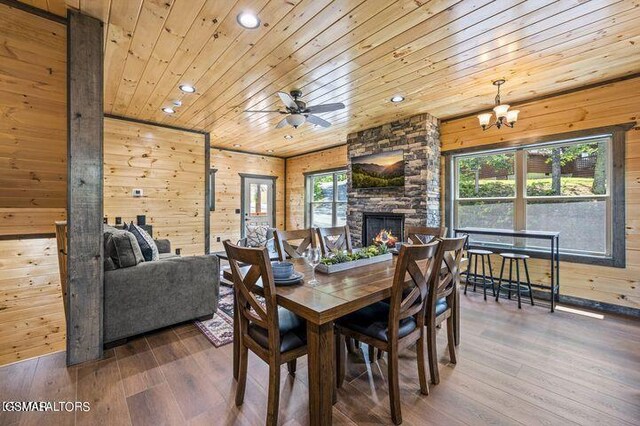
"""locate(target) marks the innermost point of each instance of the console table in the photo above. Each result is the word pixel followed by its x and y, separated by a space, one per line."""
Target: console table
pixel 554 252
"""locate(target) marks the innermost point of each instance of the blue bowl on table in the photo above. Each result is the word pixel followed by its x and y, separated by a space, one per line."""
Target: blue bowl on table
pixel 282 270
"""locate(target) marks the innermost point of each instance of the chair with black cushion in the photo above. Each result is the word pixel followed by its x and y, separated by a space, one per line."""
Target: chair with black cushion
pixel 423 234
pixel 441 301
pixel 336 238
pixel 395 324
pixel 473 278
pixel 517 286
pixel 273 333
pixel 303 238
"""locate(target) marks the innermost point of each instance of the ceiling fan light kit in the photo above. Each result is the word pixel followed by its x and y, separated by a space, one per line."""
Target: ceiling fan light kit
pixel 297 112
pixel 504 116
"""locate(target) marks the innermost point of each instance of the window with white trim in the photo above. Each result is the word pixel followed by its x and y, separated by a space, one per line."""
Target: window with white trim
pixel 326 198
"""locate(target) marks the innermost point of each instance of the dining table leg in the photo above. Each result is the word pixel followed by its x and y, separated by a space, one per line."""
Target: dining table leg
pixel 321 372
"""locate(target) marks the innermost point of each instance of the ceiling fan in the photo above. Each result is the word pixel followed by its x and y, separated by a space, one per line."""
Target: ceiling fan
pixel 297 112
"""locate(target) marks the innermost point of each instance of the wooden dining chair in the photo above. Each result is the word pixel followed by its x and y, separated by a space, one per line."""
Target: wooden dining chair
pixel 303 237
pixel 394 325
pixel 336 238
pixel 441 301
pixel 423 234
pixel 273 333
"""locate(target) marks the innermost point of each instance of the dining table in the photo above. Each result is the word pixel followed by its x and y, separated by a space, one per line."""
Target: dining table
pixel 333 296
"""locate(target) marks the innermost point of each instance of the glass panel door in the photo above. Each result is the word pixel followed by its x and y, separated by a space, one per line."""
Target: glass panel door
pixel 258 203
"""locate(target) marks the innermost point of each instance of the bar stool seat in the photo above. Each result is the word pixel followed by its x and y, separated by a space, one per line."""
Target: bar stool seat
pixel 517 286
pixel 514 256
pixel 479 251
pixel 474 278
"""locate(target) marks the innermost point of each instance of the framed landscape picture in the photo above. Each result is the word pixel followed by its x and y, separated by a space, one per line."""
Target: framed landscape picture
pixel 382 170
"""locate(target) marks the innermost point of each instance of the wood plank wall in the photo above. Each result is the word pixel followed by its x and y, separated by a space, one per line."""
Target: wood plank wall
pixel 604 105
pixel 168 165
pixel 225 222
pixel 33 181
pixel 296 168
pixel 33 124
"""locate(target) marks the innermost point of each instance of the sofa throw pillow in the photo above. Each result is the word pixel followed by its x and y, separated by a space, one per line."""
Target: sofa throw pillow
pixel 123 249
pixel 147 245
pixel 256 235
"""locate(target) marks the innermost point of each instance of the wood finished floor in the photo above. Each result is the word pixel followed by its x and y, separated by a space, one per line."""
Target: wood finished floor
pixel 514 367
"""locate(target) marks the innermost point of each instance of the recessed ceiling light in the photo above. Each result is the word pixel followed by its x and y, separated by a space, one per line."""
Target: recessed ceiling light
pixel 270 151
pixel 397 98
pixel 187 88
pixel 288 137
pixel 168 110
pixel 236 145
pixel 248 20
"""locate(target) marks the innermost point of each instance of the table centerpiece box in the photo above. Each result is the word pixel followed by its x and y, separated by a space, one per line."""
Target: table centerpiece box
pixel 341 260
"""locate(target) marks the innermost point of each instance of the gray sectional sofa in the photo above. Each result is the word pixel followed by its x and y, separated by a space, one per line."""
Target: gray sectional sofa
pixel 156 294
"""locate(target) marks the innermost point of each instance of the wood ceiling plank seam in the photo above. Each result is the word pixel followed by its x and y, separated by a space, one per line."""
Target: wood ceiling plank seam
pixel 529 94
pixel 488 14
pixel 241 46
pixel 122 23
pixel 176 27
pixel 198 40
pixel 225 35
pixel 302 67
pixel 386 75
pixel 427 52
pixel 298 14
pixel 602 74
pixel 145 37
pixel 204 77
pixel 296 65
pixel 268 101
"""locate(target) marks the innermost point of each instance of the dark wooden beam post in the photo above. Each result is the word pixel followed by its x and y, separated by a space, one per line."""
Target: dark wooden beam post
pixel 207 193
pixel 85 188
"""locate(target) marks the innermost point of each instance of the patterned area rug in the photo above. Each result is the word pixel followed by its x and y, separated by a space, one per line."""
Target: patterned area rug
pixel 219 329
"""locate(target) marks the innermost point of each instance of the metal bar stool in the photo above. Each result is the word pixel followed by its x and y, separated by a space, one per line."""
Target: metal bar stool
pixel 483 279
pixel 518 286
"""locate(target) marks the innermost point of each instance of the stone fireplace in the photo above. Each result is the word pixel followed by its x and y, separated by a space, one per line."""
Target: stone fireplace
pixel 373 223
pixel 418 202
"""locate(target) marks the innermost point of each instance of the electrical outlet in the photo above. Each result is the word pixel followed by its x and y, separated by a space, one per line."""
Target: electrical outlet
pixel 217 239
pixel 237 211
pixel 137 192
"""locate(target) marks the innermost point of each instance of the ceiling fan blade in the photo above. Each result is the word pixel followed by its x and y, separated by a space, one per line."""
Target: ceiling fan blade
pixel 288 100
pixel 267 110
pixel 325 108
pixel 281 124
pixel 318 121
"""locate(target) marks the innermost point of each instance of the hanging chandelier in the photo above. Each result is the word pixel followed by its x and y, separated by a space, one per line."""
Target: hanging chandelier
pixel 504 117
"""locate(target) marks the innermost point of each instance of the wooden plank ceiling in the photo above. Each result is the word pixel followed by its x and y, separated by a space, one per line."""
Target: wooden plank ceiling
pixel 441 55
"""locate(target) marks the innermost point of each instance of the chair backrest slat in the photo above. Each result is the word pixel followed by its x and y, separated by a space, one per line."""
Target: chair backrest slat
pixel 423 234
pixel 336 238
pixel 420 263
pixel 451 250
pixel 256 263
pixel 304 237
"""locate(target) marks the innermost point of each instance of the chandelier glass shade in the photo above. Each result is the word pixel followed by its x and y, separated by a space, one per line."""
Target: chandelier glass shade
pixel 504 116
